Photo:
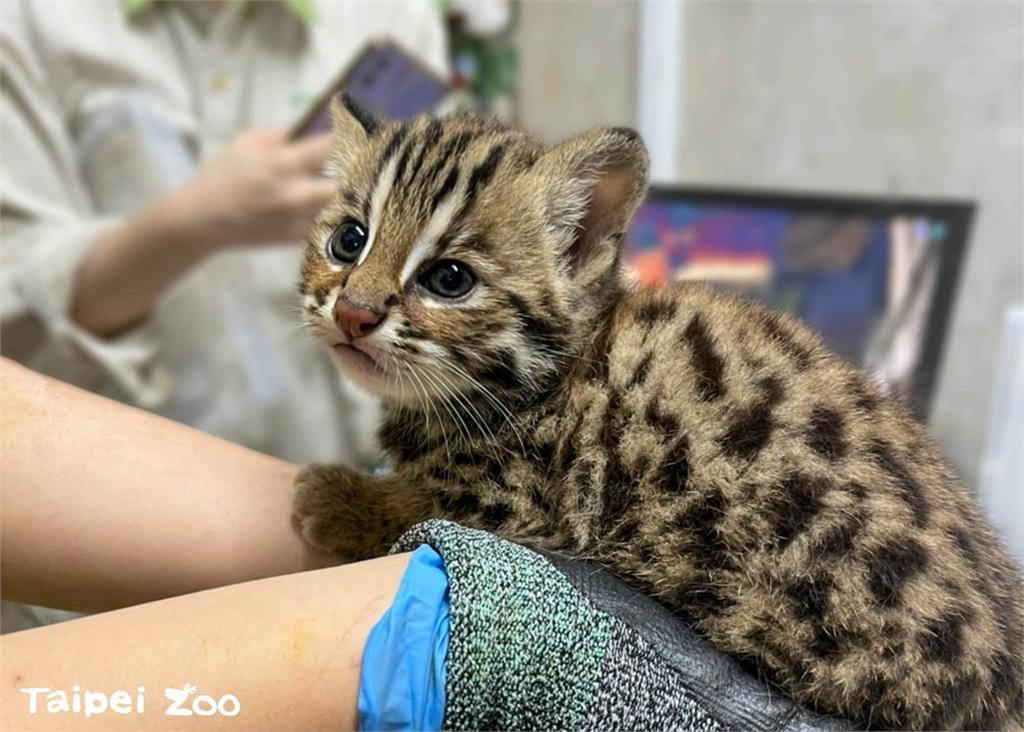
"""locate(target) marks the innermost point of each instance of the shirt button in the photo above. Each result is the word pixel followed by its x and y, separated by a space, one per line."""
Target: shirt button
pixel 218 81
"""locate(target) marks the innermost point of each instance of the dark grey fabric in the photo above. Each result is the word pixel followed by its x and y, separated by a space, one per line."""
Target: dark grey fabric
pixel 723 687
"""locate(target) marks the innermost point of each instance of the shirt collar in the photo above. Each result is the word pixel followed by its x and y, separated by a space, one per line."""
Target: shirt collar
pixel 301 9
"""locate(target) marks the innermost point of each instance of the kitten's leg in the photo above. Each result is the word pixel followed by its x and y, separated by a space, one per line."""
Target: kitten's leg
pixel 355 515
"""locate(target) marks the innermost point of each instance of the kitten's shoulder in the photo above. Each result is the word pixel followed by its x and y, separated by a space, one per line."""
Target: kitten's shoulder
pixel 688 339
pixel 657 304
pixel 706 317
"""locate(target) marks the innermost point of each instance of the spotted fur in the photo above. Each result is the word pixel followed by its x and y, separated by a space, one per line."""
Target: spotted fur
pixel 711 451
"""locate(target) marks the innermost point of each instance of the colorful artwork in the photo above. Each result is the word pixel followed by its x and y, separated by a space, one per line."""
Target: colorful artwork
pixel 849 277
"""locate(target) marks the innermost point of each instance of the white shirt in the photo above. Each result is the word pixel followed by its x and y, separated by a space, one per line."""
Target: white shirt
pixel 104 112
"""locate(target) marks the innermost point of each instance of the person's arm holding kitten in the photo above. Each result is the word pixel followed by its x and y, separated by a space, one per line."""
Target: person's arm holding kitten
pixel 105 505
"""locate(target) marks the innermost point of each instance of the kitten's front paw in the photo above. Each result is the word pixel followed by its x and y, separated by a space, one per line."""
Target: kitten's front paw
pixel 325 504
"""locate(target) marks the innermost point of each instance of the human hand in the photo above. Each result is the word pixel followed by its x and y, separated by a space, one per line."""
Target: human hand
pixel 261 188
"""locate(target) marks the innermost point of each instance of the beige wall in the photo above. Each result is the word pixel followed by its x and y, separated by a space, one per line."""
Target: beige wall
pixel 922 98
pixel 577 65
pixel 915 98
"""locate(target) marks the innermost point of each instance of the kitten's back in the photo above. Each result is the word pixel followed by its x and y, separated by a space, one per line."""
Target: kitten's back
pixel 764 488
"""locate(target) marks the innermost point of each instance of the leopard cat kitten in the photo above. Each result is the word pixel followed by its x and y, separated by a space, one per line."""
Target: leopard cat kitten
pixel 709 450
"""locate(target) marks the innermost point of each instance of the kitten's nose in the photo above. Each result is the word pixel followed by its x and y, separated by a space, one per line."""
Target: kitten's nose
pixel 355 320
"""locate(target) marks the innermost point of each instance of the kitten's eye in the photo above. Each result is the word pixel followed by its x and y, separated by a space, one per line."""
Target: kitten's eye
pixel 346 242
pixel 448 278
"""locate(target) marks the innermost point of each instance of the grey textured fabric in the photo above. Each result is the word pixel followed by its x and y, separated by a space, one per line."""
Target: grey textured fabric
pixel 545 642
pixel 727 691
pixel 637 690
pixel 524 648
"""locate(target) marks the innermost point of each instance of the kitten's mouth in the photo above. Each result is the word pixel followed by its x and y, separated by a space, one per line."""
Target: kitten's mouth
pixel 357 359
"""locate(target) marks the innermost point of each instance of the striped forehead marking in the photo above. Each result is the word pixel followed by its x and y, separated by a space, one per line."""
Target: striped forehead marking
pixel 449 203
pixel 424 247
pixel 377 201
pixel 444 193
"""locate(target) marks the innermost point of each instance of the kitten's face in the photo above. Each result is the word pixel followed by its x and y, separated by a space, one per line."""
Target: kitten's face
pixel 444 267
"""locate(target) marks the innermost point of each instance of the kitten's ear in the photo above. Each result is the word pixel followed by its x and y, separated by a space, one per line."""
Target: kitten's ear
pixel 354 126
pixel 592 185
pixel 352 121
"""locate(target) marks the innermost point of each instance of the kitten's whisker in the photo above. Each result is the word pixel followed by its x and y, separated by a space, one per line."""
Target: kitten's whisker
pixel 439 393
pixel 492 442
pixel 392 375
pixel 454 412
pixel 459 371
pixel 446 391
pixel 502 409
pixel 474 413
pixel 427 402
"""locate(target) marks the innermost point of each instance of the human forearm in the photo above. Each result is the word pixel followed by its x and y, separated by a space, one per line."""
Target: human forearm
pixel 288 649
pixel 127 269
pixel 260 189
pixel 104 505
